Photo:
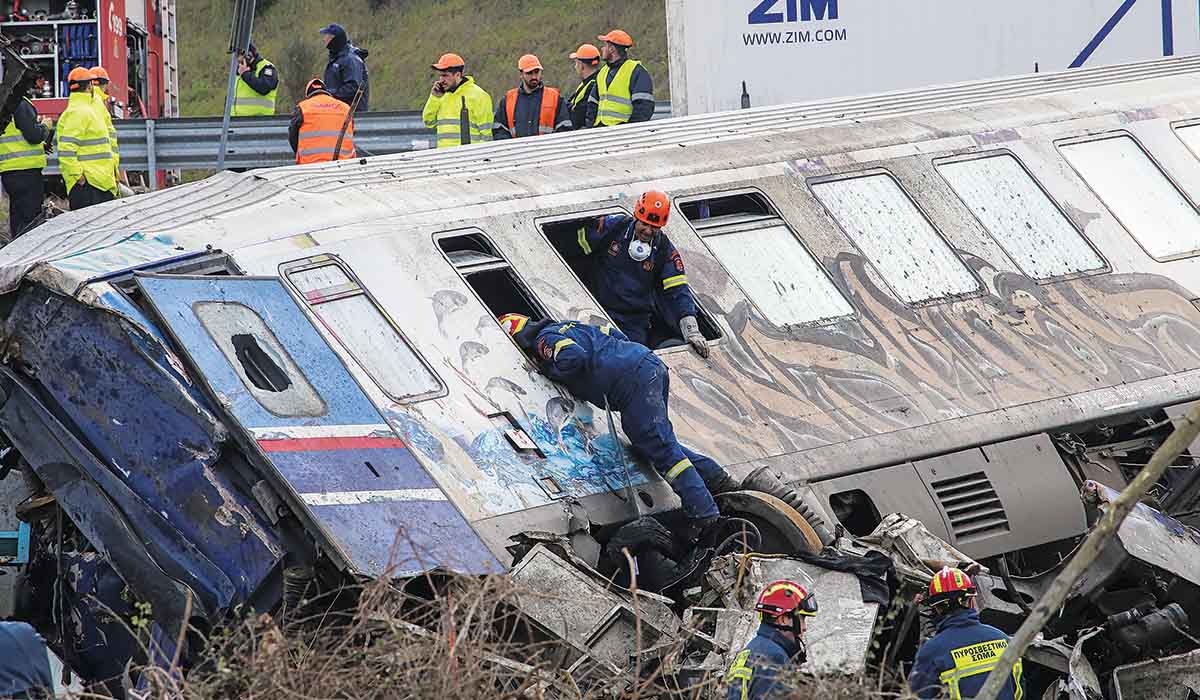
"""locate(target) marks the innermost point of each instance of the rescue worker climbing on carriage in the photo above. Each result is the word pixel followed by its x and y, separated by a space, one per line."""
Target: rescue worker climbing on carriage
pixel 955 661
pixel 639 277
pixel 601 365
pixel 783 608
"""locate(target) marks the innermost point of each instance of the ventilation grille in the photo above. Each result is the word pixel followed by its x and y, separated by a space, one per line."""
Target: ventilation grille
pixel 973 507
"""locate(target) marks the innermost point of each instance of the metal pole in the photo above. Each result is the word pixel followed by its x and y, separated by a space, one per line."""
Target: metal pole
pixel 1096 540
pixel 151 156
pixel 233 57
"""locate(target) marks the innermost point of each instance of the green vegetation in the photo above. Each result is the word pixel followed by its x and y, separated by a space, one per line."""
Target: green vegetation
pixel 405 36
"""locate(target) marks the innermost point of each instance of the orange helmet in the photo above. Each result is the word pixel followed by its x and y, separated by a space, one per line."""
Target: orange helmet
pixel 618 37
pixel 528 62
pixel 80 75
pixel 315 85
pixel 949 584
pixel 786 597
pixel 99 74
pixel 450 61
pixel 513 323
pixel 586 53
pixel 653 208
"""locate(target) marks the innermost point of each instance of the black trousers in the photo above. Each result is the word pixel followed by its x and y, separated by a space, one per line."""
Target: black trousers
pixel 85 196
pixel 25 190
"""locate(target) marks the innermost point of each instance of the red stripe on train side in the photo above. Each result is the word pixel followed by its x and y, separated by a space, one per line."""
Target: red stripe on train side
pixel 330 443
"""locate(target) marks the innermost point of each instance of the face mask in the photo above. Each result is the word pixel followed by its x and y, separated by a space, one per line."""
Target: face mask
pixel 638 250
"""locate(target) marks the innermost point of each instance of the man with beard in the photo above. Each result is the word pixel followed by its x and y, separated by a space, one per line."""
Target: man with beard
pixel 531 109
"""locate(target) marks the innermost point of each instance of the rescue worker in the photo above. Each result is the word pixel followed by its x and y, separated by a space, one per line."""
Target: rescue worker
pixel 24 663
pixel 457 108
pixel 601 365
pixel 640 278
pixel 84 150
pixel 104 106
pixel 257 86
pixel 586 99
pixel 625 88
pixel 22 158
pixel 783 607
pixel 531 109
pixel 347 68
pixel 957 659
pixel 316 123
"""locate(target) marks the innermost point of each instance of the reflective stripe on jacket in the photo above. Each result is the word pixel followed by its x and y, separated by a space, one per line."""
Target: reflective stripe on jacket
pixel 958 658
pixel 247 102
pixel 616 98
pixel 754 673
pixel 18 154
pixel 83 144
pixel 461 116
pixel 323 116
pixel 584 103
pixel 101 99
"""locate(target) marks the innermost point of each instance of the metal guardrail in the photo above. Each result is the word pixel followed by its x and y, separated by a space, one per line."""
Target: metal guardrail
pixel 258 142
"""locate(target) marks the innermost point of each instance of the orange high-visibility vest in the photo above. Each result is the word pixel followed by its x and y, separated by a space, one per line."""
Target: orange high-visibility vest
pixel 545 118
pixel 323 118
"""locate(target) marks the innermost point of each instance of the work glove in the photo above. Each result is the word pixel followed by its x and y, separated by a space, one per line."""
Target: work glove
pixel 690 327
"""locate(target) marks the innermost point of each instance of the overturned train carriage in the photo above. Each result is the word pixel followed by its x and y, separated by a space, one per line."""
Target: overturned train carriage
pixel 957 303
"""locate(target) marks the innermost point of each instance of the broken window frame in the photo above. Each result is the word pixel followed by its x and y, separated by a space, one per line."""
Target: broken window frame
pixel 936 300
pixel 1122 133
pixel 214 263
pixel 1104 268
pixel 503 264
pixel 287 269
pixel 702 314
pixel 763 221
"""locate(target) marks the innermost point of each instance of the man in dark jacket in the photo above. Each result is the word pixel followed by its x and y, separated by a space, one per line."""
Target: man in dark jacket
pixel 23 157
pixel 625 86
pixel 955 661
pixel 784 607
pixel 258 84
pixel 586 99
pixel 600 365
pixel 531 109
pixel 347 69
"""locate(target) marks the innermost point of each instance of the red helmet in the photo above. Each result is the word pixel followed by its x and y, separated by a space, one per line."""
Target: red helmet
pixel 783 597
pixel 948 584
pixel 653 208
pixel 513 323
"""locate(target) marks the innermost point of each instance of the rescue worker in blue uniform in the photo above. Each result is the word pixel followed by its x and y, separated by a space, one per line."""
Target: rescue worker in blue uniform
pixel 601 365
pixel 956 660
pixel 24 664
pixel 639 276
pixel 783 607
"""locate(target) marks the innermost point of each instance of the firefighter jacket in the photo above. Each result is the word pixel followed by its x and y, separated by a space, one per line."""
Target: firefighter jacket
pixel 585 102
pixel 958 658
pixel 520 114
pixel 591 361
pixel 21 141
pixel 83 144
pixel 320 122
pixel 256 90
pixel 101 99
pixel 626 93
pixel 460 116
pixel 754 674
pixel 631 291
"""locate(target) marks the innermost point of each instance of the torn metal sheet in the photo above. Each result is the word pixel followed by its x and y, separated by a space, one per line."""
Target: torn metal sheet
pixel 1153 537
pixel 912 546
pixel 585 613
pixel 1172 678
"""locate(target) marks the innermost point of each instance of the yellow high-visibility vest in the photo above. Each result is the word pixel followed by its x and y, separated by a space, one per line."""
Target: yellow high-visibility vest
pixel 18 154
pixel 83 145
pixel 616 100
pixel 246 100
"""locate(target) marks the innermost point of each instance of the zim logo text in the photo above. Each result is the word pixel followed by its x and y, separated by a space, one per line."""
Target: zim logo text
pixel 769 12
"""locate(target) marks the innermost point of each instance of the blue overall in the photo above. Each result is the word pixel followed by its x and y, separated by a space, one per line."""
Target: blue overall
pixel 634 292
pixel 754 672
pixel 597 362
pixel 958 658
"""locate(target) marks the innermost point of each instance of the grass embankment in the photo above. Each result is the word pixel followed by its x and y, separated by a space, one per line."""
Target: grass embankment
pixel 405 36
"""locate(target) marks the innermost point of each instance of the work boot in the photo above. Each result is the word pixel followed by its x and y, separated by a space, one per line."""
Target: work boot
pixel 721 483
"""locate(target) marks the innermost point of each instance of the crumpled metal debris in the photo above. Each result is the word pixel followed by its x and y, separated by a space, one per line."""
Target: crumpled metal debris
pixel 916 552
pixel 1172 678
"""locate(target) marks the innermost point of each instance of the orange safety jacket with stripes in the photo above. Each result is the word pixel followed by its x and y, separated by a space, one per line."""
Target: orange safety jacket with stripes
pixel 323 116
pixel 549 110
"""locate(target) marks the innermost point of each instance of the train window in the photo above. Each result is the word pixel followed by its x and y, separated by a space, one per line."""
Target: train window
pixel 259 359
pixel 489 275
pixel 1021 216
pixel 1138 193
pixel 726 209
pixel 353 317
pixel 894 235
pixel 569 238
